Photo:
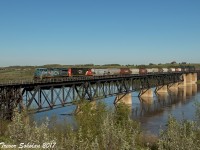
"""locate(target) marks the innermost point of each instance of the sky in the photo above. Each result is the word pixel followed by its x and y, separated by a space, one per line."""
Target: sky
pixel 38 32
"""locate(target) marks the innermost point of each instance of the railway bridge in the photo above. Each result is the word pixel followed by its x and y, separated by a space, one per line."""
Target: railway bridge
pixel 42 95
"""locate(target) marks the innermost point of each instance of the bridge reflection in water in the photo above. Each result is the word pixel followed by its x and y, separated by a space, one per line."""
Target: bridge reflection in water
pixel 153 112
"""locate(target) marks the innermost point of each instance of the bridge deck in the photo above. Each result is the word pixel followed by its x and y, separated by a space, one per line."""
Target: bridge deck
pixel 47 81
pixel 50 93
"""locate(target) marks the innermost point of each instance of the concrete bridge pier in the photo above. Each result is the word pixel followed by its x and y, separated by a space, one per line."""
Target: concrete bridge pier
pixel 146 100
pixel 173 88
pixel 183 83
pixel 124 98
pixel 161 89
pixel 146 96
pixel 146 93
pixel 189 78
pixel 194 78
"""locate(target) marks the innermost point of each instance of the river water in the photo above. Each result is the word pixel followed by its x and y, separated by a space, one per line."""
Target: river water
pixel 152 113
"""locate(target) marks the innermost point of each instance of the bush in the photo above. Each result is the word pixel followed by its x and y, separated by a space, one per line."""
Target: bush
pixel 97 128
pixel 21 131
pixel 182 135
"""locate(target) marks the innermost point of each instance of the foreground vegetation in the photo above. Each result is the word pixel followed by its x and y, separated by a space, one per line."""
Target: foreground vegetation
pixel 100 129
pixel 97 128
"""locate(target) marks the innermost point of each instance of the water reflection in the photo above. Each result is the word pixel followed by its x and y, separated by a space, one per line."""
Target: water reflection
pixel 153 112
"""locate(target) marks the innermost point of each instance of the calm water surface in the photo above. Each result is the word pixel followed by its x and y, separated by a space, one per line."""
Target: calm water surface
pixel 152 113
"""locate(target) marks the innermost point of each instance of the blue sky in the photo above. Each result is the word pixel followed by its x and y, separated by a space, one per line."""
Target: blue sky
pixel 38 32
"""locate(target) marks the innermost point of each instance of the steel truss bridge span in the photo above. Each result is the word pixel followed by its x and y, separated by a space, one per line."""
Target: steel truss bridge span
pixel 52 93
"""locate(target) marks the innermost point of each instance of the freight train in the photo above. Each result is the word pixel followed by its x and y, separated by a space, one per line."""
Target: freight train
pixel 41 73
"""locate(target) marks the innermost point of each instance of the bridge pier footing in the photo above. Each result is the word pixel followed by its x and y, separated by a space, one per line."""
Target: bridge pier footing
pixel 161 89
pixel 124 98
pixel 146 96
pixel 183 83
pixel 173 88
pixel 194 78
pixel 189 78
pixel 145 93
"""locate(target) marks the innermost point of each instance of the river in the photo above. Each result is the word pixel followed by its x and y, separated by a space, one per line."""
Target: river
pixel 152 113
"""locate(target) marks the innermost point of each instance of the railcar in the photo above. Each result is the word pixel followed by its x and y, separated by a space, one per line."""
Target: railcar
pixel 171 69
pixel 134 71
pixel 99 72
pixel 79 72
pixel 177 69
pixel 50 72
pixel 124 71
pixel 155 70
pixel 114 71
pixel 41 73
pixel 142 71
pixel 187 68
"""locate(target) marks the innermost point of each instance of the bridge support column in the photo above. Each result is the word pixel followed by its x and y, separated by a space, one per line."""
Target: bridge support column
pixel 161 89
pixel 124 98
pixel 189 78
pixel 10 98
pixel 173 88
pixel 146 100
pixel 146 93
pixel 194 78
pixel 181 84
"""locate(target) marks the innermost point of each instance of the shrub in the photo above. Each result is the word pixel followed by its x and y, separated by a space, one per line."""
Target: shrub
pixel 97 128
pixel 182 135
pixel 21 131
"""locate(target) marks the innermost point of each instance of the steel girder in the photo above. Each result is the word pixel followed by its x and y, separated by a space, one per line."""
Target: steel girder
pixel 43 97
pixel 10 97
pixel 39 97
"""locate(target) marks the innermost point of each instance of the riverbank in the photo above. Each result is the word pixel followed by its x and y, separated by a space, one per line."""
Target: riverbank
pixel 99 128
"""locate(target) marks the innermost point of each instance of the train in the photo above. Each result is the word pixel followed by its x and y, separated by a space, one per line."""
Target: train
pixel 42 73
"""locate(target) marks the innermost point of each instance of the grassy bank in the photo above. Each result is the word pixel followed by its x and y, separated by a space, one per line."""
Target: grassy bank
pixel 16 74
pixel 100 129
